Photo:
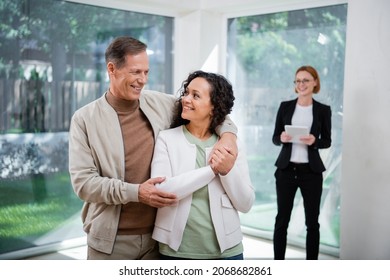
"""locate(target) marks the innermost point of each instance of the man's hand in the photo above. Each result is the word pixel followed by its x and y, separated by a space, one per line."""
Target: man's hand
pixel 150 195
pixel 224 154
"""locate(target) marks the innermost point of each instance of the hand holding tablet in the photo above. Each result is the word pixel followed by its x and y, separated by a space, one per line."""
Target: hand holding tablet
pixel 296 132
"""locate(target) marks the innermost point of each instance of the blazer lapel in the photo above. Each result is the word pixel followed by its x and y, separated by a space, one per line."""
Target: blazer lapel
pixel 315 117
pixel 290 110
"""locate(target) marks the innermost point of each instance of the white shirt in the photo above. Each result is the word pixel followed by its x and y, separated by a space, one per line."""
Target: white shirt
pixel 303 116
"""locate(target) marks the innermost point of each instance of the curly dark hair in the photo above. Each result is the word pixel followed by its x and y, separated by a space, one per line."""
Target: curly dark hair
pixel 221 96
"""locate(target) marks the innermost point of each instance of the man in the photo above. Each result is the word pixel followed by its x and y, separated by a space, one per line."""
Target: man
pixel 111 143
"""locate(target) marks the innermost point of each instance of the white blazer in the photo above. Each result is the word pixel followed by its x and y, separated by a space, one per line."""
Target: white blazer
pixel 174 158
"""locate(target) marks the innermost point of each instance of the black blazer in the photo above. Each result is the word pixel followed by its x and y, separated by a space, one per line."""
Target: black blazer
pixel 321 129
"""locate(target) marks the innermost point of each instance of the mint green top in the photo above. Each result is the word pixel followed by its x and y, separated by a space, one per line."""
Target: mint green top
pixel 199 238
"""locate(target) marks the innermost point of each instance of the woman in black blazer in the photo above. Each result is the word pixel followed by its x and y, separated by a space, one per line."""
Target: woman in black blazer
pixel 299 164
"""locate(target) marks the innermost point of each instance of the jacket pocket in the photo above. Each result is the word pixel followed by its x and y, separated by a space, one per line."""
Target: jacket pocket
pixel 230 216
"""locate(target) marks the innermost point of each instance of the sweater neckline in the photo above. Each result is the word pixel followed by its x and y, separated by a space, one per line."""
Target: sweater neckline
pixel 121 105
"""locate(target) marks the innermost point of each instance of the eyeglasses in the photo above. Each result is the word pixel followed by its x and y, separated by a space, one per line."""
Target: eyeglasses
pixel 304 81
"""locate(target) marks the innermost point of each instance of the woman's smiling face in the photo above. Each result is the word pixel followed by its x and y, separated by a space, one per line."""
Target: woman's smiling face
pixel 304 83
pixel 196 102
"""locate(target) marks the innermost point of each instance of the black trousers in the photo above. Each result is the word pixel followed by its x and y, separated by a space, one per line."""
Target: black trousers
pixel 310 184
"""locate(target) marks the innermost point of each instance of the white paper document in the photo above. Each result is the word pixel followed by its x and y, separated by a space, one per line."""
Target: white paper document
pixel 296 132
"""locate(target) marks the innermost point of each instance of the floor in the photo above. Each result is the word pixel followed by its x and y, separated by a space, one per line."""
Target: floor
pixel 254 249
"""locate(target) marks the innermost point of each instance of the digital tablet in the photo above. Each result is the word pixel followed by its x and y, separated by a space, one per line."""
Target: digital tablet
pixel 296 132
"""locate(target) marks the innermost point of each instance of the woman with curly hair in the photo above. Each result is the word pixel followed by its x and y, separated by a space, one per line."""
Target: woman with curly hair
pixel 205 223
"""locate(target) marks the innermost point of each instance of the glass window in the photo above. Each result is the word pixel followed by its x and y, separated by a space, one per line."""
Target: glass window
pixel 264 52
pixel 51 63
